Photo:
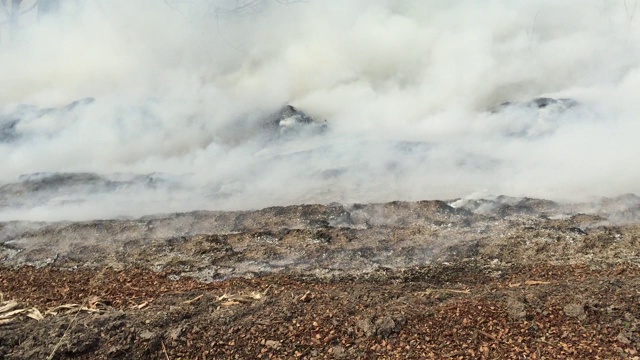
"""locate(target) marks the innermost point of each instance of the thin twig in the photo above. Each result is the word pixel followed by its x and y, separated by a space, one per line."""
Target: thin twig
pixel 164 350
pixel 492 337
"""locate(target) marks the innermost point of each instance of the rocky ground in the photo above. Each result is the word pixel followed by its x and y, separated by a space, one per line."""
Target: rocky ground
pixel 501 278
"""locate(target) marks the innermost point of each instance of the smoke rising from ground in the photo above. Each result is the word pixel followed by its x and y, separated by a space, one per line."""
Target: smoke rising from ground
pixel 407 88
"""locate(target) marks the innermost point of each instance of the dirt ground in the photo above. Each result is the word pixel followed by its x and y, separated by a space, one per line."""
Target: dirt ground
pixel 500 279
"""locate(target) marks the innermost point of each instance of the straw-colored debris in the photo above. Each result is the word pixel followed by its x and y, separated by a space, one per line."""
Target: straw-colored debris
pixel 11 310
pixel 529 283
pixel 237 299
pixel 452 291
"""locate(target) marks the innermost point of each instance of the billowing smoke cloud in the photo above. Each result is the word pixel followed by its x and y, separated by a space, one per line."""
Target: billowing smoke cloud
pixel 411 91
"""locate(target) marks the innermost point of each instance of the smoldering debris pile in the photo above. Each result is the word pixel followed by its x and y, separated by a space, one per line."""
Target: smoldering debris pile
pixel 336 239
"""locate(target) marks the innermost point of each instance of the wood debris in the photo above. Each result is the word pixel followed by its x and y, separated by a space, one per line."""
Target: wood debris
pixel 529 283
pixel 452 291
pixel 11 310
pixel 193 300
pixel 237 299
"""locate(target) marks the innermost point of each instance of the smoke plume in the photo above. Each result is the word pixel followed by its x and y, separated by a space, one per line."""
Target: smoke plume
pixel 124 108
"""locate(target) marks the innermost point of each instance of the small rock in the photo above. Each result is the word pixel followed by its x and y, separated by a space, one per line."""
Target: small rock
pixel 385 326
pixel 622 337
pixel 516 309
pixel 366 326
pixel 575 310
pixel 273 344
pixel 147 335
pixel 175 333
pixel 338 352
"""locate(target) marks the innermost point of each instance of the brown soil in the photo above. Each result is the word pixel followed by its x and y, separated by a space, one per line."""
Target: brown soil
pixel 527 285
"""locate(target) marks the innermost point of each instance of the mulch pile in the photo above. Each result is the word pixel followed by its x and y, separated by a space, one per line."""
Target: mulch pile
pixel 461 311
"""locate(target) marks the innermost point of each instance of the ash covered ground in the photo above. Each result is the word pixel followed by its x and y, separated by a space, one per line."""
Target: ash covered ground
pixel 499 278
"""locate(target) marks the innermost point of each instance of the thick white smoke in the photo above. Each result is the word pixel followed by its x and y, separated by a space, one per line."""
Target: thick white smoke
pixel 406 86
